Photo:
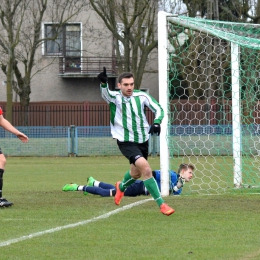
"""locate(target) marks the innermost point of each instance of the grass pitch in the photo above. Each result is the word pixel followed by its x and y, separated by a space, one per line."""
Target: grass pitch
pixel 38 226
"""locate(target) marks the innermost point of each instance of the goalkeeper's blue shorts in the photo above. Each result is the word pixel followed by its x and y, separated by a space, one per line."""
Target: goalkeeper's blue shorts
pixel 136 189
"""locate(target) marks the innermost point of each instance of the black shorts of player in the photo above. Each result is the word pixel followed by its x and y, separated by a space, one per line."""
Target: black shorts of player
pixel 1 151
pixel 133 151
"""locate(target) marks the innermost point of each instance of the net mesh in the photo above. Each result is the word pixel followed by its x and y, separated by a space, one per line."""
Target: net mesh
pixel 200 81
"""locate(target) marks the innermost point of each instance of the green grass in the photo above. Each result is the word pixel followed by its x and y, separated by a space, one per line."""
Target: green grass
pixel 203 227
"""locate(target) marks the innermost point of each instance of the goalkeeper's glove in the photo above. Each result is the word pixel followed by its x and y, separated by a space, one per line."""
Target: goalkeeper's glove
pixel 103 76
pixel 155 129
pixel 179 184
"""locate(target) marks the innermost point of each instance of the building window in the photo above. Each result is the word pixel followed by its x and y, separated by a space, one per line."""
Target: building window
pixel 65 40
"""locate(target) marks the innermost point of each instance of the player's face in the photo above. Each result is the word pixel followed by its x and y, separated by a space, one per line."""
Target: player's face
pixel 126 86
pixel 187 174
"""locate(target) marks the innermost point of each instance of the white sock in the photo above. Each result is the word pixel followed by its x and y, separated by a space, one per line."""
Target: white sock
pixel 96 183
pixel 80 187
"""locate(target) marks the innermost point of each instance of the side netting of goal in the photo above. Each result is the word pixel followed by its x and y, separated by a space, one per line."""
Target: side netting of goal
pixel 209 76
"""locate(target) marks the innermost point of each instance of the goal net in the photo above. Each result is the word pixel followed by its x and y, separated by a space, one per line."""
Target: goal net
pixel 209 75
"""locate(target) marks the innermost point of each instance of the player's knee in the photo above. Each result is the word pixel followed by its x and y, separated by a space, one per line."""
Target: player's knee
pixel 147 172
pixel 136 174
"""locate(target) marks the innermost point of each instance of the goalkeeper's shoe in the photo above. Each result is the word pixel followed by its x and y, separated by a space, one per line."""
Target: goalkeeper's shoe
pixel 4 203
pixel 70 187
pixel 90 181
pixel 119 194
pixel 166 210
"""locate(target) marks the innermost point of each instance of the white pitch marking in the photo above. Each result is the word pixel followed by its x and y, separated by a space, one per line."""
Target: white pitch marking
pixel 52 230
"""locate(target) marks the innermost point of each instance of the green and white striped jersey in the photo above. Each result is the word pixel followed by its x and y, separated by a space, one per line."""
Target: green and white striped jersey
pixel 127 116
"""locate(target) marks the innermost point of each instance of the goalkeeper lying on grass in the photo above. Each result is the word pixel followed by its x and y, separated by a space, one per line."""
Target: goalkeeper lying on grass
pixel 177 180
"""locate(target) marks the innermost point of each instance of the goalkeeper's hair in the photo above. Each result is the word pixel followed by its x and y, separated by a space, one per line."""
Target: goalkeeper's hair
pixel 185 166
pixel 125 75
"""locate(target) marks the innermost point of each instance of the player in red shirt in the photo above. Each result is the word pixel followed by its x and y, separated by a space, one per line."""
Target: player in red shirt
pixel 10 128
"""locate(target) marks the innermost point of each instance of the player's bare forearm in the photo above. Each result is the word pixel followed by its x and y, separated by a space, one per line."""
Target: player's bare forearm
pixel 10 128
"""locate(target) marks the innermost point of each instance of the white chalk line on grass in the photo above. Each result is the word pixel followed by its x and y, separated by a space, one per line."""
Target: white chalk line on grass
pixel 84 222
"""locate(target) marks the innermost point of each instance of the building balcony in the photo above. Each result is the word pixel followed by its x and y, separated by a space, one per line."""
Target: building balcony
pixel 87 67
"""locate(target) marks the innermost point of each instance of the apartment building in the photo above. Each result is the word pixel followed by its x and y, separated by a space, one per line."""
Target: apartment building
pixel 68 67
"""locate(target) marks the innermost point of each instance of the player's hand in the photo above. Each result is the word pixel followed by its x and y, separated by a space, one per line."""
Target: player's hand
pixel 103 76
pixel 23 137
pixel 180 182
pixel 155 129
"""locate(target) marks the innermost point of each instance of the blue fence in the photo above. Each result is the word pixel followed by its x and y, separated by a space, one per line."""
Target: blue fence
pixel 97 140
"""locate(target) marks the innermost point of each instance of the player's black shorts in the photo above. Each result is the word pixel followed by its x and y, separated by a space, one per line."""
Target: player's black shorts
pixel 0 151
pixel 132 151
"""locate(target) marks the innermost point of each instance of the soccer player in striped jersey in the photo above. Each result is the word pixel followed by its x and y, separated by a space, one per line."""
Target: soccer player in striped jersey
pixel 7 126
pixel 130 128
pixel 177 180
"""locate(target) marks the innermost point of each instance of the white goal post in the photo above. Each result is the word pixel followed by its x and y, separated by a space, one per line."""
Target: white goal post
pixel 163 100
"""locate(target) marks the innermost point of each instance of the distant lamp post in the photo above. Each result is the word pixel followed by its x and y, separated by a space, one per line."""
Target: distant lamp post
pixel 143 32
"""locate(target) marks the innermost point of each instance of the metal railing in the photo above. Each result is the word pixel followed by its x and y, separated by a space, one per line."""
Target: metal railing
pixel 88 65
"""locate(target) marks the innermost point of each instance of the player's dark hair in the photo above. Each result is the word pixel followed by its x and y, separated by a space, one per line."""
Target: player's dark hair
pixel 185 166
pixel 125 75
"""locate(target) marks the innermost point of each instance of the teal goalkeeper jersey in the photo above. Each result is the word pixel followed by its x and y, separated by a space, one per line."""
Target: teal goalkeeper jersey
pixel 127 114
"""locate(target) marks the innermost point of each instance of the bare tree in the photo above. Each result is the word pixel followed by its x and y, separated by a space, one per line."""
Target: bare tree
pixel 132 24
pixel 228 10
pixel 172 6
pixel 251 10
pixel 9 40
pixel 21 37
